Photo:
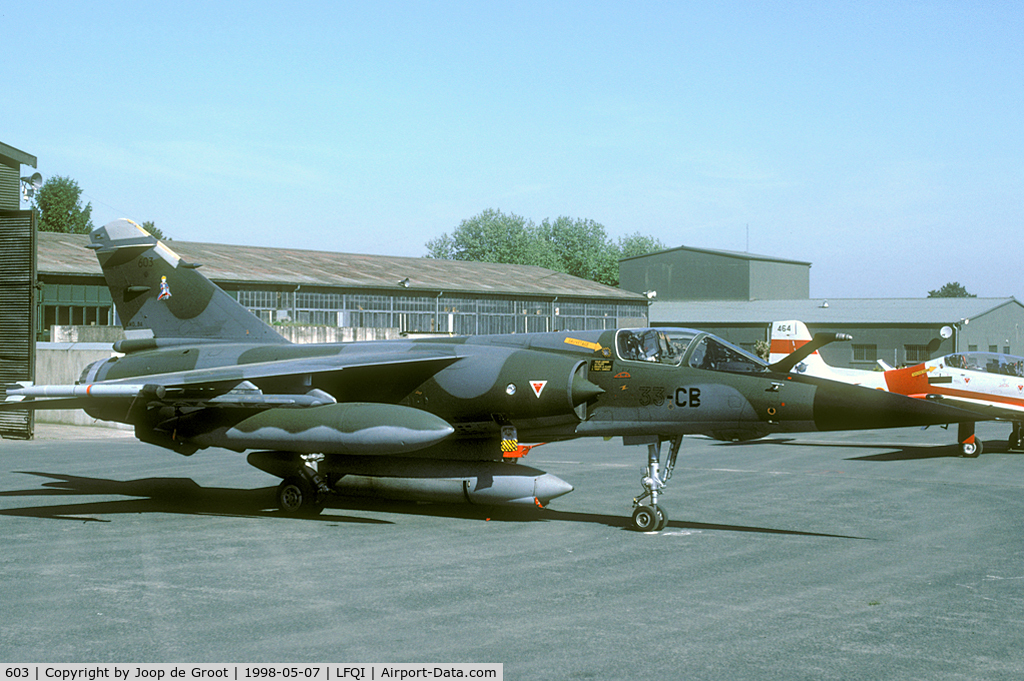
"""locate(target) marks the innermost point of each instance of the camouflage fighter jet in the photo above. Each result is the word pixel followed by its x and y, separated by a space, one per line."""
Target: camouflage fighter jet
pixel 427 419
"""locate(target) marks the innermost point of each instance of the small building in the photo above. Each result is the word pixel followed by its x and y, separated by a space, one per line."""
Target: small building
pixel 17 285
pixel 738 295
pixel 701 274
pixel 895 330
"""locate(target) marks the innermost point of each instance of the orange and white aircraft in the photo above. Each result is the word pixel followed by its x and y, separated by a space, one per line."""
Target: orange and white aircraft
pixel 990 384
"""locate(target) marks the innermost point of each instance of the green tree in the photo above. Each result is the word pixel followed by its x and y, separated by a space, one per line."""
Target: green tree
pixel 638 244
pixel 581 248
pixel 59 208
pixel 150 227
pixel 575 246
pixel 490 236
pixel 953 289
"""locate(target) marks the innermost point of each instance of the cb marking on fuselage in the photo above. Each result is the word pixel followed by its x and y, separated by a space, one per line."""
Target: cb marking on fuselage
pixel 683 397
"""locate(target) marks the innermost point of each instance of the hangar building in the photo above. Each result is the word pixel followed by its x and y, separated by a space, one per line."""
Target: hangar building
pixel 738 295
pixel 17 283
pixel 304 287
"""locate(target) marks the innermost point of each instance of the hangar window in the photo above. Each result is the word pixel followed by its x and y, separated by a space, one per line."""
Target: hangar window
pixel 917 353
pixel 865 353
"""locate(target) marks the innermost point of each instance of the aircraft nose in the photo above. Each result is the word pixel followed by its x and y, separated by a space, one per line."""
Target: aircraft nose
pixel 838 406
pixel 548 487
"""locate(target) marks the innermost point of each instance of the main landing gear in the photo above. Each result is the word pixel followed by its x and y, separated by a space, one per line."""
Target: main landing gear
pixel 304 493
pixel 970 445
pixel 649 517
pixel 1016 441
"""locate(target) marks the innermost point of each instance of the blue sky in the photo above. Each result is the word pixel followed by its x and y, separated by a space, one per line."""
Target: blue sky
pixel 883 142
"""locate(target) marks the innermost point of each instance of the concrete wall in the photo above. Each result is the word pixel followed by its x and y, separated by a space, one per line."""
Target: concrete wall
pixel 334 334
pixel 295 334
pixel 86 334
pixel 62 364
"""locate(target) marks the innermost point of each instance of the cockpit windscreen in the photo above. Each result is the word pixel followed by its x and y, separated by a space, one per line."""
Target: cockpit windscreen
pixel 650 345
pixel 990 362
pixel 715 354
pixel 673 346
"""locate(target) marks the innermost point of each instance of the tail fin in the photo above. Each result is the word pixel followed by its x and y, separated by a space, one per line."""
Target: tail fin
pixel 789 336
pixel 153 289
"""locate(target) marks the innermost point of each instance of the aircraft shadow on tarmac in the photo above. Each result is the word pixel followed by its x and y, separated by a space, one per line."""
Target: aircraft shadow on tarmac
pixel 897 453
pixel 185 496
pixel 149 495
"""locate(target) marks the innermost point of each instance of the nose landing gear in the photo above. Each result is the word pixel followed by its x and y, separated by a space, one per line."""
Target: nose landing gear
pixel 650 517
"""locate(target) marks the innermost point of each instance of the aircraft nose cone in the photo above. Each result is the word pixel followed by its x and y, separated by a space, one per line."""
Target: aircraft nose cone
pixel 550 487
pixel 846 407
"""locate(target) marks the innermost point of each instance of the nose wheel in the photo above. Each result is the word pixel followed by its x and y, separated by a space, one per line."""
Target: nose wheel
pixel 650 517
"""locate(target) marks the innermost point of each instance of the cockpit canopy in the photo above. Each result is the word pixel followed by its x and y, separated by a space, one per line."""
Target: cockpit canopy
pixel 989 362
pixel 676 347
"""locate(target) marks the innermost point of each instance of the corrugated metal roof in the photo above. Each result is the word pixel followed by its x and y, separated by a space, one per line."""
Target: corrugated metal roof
pixel 11 156
pixel 894 311
pixel 65 254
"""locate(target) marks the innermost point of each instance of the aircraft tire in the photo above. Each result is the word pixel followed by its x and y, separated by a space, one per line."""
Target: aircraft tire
pixel 662 519
pixel 645 519
pixel 296 496
pixel 971 450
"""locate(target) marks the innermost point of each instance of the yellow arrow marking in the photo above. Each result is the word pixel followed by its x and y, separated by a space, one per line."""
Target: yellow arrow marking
pixel 596 347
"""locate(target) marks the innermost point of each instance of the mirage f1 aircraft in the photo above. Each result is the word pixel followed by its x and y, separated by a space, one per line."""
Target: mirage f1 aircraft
pixel 988 383
pixel 427 419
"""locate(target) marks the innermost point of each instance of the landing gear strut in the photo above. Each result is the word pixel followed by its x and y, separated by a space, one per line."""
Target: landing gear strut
pixel 970 446
pixel 650 517
pixel 1016 441
pixel 305 493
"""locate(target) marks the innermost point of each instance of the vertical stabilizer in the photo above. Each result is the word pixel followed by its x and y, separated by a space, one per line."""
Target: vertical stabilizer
pixel 787 337
pixel 155 290
pixel 791 335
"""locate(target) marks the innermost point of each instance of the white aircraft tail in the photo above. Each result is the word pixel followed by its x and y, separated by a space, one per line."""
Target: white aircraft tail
pixel 789 336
